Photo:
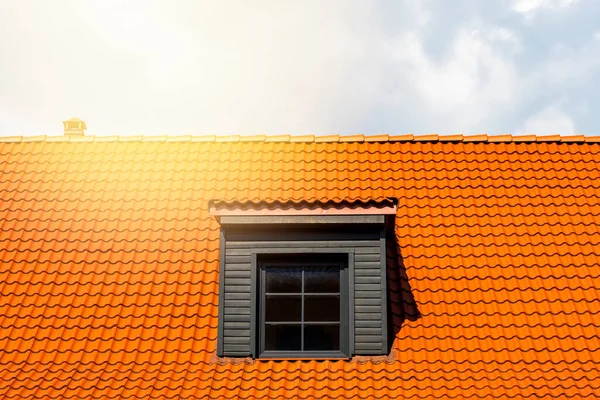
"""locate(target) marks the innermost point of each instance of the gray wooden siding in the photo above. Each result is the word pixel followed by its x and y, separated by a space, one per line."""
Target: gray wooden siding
pixel 369 301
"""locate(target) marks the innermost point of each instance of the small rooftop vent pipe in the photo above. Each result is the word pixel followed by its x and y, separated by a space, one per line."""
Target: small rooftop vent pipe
pixel 74 127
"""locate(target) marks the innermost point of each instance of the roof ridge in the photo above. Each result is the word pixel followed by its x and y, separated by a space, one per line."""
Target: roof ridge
pixel 506 138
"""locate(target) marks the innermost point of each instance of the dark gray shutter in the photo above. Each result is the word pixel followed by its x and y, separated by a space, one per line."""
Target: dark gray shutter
pixel 235 297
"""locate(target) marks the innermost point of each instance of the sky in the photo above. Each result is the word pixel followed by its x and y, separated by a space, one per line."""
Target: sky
pixel 300 67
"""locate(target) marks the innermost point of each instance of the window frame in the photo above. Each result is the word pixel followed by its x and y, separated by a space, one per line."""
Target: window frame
pixel 346 300
pixel 289 262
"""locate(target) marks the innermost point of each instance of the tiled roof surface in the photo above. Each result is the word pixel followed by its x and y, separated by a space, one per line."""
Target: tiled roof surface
pixel 109 268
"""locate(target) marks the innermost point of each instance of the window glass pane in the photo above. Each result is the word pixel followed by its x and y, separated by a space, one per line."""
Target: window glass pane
pixel 322 280
pixel 283 308
pixel 284 280
pixel 322 308
pixel 321 337
pixel 282 337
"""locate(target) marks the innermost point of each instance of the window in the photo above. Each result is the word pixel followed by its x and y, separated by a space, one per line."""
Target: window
pixel 303 306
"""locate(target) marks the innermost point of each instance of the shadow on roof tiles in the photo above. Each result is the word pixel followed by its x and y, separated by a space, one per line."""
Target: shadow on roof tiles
pixel 401 301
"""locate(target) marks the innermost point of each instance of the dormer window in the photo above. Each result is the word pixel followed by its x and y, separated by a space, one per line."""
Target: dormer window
pixel 303 280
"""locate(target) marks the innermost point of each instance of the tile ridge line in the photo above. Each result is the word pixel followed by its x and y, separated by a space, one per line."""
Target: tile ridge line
pixel 476 138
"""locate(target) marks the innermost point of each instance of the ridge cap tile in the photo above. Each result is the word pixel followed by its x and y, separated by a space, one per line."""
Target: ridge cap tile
pixel 179 138
pixel 11 139
pixel 524 138
pixel 135 138
pixel 451 138
pixel 204 138
pixel 402 138
pixel 276 138
pixel 381 137
pixel 82 139
pixel 39 138
pixel 327 138
pixel 476 138
pixel 500 138
pixel 227 138
pixel 252 138
pixel 111 138
pixel 302 138
pixel 58 139
pixel 549 138
pixel 426 138
pixel 572 138
pixel 352 138
pixel 154 138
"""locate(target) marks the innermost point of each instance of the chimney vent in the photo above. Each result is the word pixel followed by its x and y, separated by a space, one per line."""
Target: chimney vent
pixel 74 127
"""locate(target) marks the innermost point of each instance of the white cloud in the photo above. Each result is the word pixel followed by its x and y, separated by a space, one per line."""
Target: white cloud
pixel 569 65
pixel 474 82
pixel 503 34
pixel 529 7
pixel 504 41
pixel 550 120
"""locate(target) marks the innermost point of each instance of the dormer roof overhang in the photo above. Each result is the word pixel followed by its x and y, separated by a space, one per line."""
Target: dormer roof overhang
pixel 313 212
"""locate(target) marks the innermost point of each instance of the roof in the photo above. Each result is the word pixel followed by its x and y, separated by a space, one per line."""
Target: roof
pixel 109 267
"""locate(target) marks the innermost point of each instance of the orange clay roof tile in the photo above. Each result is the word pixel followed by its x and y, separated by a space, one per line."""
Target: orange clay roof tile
pixel 109 264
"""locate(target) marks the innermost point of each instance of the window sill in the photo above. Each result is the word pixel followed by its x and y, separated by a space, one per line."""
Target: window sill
pixel 305 355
